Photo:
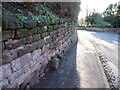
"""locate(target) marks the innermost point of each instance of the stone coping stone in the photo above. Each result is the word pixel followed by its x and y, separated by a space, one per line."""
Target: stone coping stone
pixel 9 22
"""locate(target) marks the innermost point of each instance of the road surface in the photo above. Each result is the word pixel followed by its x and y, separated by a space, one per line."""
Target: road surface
pixel 81 67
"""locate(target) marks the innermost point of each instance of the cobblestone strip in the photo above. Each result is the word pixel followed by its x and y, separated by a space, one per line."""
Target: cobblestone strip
pixel 108 72
pixel 112 79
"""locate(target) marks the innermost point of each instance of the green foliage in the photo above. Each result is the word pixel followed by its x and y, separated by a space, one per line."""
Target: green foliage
pixel 94 18
pixel 97 26
pixel 21 17
pixel 112 15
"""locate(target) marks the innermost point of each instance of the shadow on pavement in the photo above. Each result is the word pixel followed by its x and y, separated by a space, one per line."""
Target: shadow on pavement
pixel 65 76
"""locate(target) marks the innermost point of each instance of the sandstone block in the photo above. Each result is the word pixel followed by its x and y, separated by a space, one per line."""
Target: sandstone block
pixel 23 41
pixel 12 44
pixel 7 34
pixel 27 80
pixel 35 67
pixel 26 68
pixel 6 57
pixel 40 30
pixel 45 49
pixel 36 37
pixel 32 63
pixel 21 79
pixel 41 43
pixel 39 59
pixel 29 39
pixel 16 65
pixel 21 51
pixel 48 40
pixel 34 46
pixel 30 24
pixel 13 78
pixel 9 22
pixel 6 70
pixel 25 59
pixel 4 84
pixel 36 53
pixel 21 33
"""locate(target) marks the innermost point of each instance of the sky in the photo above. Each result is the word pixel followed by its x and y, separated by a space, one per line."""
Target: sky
pixel 98 5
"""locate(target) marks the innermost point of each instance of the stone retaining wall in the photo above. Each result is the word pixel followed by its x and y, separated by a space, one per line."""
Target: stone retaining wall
pixel 101 29
pixel 27 50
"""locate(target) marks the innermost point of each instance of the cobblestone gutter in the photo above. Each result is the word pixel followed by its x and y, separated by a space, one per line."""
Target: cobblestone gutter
pixel 110 74
pixel 112 79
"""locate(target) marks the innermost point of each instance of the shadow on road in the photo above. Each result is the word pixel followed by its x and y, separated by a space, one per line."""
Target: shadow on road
pixel 65 76
pixel 110 37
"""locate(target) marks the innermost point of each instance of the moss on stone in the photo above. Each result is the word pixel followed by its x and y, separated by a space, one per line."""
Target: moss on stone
pixel 36 37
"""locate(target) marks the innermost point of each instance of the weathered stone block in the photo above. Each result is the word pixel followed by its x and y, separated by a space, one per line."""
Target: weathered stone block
pixel 32 63
pixel 45 28
pixel 40 58
pixel 31 32
pixel 29 39
pixel 26 68
pixel 35 67
pixel 6 57
pixel 30 24
pixel 44 63
pixel 16 65
pixel 14 85
pixel 51 45
pixel 39 52
pixel 25 59
pixel 49 40
pixel 52 33
pixel 41 43
pixel 28 48
pixel 34 46
pixel 54 37
pixel 21 51
pixel 7 34
pixel 14 53
pixel 21 33
pixel 4 84
pixel 21 79
pixel 12 44
pixel 26 81
pixel 8 45
pixel 36 54
pixel 35 30
pixel 45 34
pixel 12 78
pixel 41 30
pixel 6 70
pixel 45 48
pixel 41 23
pixel 23 41
pixel 9 22
pixel 36 37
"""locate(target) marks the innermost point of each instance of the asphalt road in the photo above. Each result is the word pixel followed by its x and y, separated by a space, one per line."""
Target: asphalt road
pixel 107 43
pixel 81 67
